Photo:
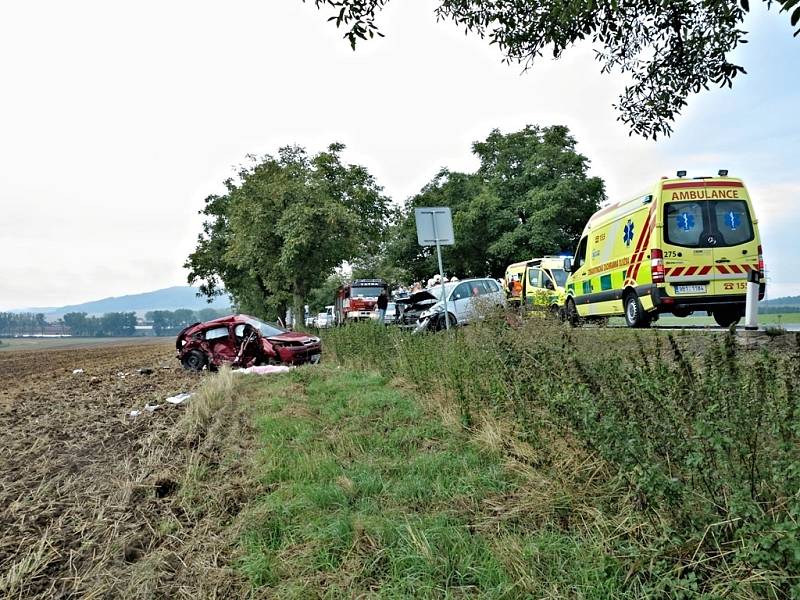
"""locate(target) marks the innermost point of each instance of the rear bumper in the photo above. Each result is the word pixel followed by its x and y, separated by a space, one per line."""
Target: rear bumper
pixel 663 302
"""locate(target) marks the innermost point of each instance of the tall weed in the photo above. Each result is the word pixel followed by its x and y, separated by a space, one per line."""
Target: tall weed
pixel 706 435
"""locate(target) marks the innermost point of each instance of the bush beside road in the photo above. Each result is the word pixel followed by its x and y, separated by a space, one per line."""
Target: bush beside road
pixel 494 461
pixel 696 440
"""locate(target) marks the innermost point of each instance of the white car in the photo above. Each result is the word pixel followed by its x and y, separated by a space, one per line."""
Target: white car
pixel 466 299
pixel 327 318
pixel 389 317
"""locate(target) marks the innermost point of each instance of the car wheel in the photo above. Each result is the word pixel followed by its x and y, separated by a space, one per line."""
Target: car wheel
pixel 571 313
pixel 726 318
pixel 440 324
pixel 194 360
pixel 635 315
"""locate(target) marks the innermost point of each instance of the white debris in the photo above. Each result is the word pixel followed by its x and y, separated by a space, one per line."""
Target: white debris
pixel 179 398
pixel 151 407
pixel 264 369
pixel 77 371
pixel 135 413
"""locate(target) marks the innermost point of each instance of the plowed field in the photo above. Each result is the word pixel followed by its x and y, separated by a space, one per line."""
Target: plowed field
pixel 83 494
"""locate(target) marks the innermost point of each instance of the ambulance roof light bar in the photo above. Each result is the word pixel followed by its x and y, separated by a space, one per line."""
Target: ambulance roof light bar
pixel 722 172
pixel 681 173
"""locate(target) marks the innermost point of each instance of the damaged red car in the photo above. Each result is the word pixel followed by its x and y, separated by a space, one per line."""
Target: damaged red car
pixel 243 341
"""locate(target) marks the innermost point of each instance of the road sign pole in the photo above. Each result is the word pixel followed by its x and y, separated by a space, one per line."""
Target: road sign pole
pixel 441 270
pixel 439 234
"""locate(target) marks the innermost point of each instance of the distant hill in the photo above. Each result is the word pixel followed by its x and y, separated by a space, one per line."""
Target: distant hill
pixel 785 301
pixel 171 298
pixel 787 304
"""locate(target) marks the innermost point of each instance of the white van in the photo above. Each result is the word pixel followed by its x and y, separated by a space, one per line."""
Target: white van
pixel 465 299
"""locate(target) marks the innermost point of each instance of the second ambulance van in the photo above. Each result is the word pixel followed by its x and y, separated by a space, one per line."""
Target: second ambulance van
pixel 686 245
pixel 537 283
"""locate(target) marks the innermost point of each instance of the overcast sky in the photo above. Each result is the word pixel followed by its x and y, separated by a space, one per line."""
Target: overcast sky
pixel 117 119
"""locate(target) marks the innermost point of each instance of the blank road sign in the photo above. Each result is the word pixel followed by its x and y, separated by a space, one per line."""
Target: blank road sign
pixel 432 223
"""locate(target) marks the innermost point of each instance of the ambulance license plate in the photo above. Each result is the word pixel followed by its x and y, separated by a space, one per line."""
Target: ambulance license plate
pixel 690 289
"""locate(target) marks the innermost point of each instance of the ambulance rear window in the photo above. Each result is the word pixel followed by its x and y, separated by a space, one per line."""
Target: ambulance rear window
pixel 707 223
pixel 733 222
pixel 684 223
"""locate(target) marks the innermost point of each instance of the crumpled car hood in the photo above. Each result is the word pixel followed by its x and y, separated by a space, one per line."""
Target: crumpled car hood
pixel 418 297
pixel 292 336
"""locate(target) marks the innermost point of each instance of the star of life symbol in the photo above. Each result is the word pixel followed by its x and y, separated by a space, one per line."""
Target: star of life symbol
pixel 627 235
pixel 686 221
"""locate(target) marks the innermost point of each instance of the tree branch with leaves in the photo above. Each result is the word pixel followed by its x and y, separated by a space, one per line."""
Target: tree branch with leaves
pixel 669 49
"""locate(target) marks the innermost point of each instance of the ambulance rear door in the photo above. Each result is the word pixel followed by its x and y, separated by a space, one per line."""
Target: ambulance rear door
pixel 687 245
pixel 709 240
pixel 736 247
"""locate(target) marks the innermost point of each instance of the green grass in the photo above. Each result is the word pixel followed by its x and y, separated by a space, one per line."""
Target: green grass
pixel 369 492
pixel 700 434
pixel 702 320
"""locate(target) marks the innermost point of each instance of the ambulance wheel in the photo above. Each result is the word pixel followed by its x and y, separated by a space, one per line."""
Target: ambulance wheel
pixel 571 313
pixel 635 315
pixel 726 318
pixel 557 313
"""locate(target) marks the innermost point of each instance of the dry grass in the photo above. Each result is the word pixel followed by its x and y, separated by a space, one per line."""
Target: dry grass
pixel 97 505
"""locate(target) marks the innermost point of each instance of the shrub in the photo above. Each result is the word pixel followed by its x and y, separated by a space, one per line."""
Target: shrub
pixel 706 435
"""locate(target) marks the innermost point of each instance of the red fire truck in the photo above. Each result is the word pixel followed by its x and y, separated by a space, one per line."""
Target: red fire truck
pixel 356 301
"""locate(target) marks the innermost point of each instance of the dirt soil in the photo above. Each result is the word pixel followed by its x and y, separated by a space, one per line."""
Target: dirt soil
pixel 86 490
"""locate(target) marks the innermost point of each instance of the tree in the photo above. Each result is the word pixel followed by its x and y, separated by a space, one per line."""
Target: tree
pixel 76 322
pixel 283 225
pixel 41 322
pixel 670 49
pixel 323 295
pixel 530 197
pixel 183 317
pixel 208 314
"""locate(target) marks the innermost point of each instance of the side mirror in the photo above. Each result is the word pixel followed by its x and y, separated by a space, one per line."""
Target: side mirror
pixel 567 264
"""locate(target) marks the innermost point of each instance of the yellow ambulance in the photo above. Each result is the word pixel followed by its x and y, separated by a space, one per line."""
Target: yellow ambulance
pixel 685 245
pixel 537 283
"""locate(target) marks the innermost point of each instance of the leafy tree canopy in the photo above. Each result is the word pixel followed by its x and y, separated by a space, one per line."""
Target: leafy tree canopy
pixel 530 197
pixel 669 49
pixel 285 222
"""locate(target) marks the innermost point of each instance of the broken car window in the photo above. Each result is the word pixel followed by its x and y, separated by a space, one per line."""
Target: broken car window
pixel 216 333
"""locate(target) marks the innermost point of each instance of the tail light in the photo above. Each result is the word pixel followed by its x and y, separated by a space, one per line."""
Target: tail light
pixel 760 263
pixel 657 265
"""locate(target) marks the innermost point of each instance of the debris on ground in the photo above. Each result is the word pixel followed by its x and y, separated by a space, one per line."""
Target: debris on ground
pixel 145 371
pixel 177 399
pixel 77 371
pixel 152 407
pixel 265 369
pixel 76 498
